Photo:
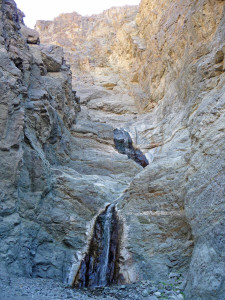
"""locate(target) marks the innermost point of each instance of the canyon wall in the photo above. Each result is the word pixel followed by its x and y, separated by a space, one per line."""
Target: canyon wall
pixel 53 182
pixel 37 109
pixel 149 76
pixel 170 60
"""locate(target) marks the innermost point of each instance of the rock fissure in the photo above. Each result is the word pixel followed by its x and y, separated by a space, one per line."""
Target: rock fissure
pixel 100 264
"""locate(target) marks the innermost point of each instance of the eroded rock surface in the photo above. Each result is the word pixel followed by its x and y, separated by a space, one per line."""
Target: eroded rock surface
pixel 56 174
pixel 155 72
pixel 37 110
pixel 169 60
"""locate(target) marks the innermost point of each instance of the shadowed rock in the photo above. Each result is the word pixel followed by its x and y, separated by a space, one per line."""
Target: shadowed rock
pixel 99 266
pixel 124 145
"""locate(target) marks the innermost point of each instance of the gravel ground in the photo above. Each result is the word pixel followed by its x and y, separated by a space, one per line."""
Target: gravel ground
pixel 14 288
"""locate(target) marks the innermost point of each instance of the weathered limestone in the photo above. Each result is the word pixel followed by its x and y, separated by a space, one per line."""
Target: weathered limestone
pixel 157 74
pixel 170 61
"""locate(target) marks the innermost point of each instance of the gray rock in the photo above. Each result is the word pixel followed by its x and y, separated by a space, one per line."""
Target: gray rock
pixel 174 275
pixel 157 294
pixel 31 35
pixel 58 164
pixel 52 57
pixel 177 297
pixel 152 298
pixel 145 292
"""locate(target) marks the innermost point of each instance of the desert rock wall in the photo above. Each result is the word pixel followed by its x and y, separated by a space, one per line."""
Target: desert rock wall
pixel 154 72
pixel 168 58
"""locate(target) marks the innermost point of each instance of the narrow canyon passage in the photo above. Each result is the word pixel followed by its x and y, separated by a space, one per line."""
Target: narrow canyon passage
pixel 113 143
pixel 138 120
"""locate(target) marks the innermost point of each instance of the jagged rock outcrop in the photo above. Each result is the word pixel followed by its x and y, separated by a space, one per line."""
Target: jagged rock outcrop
pixel 37 109
pixel 88 41
pixel 155 74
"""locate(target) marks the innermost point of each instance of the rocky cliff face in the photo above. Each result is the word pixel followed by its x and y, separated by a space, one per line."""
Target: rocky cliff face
pixel 150 77
pixel 55 175
pixel 38 108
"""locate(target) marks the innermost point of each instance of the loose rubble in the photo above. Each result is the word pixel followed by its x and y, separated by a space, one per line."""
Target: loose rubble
pixel 14 288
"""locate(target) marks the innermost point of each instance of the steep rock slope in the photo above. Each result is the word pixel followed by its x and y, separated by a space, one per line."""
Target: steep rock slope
pixel 187 72
pixel 169 61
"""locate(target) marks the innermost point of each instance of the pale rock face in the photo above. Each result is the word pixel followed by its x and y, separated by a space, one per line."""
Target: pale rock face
pixel 168 60
pixel 156 72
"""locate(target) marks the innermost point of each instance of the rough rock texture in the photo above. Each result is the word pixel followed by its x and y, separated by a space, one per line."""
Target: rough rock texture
pixel 45 289
pixel 157 74
pixel 37 109
pixel 88 41
pixel 169 61
pixel 52 183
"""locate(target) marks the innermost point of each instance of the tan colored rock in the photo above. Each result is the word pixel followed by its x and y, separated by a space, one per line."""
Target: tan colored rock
pixel 170 61
pixel 158 75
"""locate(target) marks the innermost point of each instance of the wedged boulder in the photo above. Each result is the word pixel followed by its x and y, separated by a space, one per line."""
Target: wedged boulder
pixel 31 36
pixel 52 57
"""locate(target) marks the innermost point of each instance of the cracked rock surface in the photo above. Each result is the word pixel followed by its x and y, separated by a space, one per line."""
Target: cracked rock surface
pixel 155 72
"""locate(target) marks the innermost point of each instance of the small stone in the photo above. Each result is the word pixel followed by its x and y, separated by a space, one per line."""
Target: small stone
pixel 157 294
pixel 172 280
pixel 122 287
pixel 177 297
pixel 174 275
pixel 152 298
pixel 154 289
pixel 145 292
pixel 182 285
pixel 167 292
pixel 69 295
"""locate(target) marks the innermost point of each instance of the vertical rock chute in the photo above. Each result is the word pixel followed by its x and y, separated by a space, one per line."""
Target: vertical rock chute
pixel 100 265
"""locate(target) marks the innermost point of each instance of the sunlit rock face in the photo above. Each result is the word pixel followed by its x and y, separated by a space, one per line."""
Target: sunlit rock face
pixel 153 74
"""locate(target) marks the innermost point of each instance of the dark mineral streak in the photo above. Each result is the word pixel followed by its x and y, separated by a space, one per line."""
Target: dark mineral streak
pixel 100 265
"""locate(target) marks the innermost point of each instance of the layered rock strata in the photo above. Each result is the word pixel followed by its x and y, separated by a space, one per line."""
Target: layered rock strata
pixel 157 74
pixel 56 175
pixel 169 60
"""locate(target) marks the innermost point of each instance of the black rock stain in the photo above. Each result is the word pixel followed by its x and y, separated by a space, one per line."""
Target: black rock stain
pixel 100 265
